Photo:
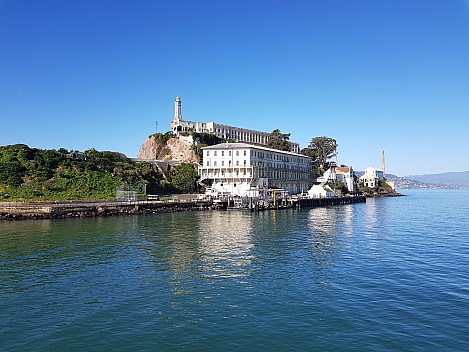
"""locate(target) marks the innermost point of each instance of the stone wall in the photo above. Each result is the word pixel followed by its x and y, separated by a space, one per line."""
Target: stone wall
pixel 75 210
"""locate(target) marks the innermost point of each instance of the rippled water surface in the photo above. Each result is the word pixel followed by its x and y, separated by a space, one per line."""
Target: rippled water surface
pixel 391 274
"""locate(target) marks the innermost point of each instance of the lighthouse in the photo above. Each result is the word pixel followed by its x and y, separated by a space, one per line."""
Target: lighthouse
pixel 177 120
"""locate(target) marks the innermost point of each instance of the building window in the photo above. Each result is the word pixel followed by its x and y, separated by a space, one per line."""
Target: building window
pixel 237 162
pixel 222 163
pixel 237 153
pixel 244 153
pixel 222 153
pixel 229 153
pixel 208 163
pixel 208 153
pixel 215 163
pixel 244 162
pixel 215 153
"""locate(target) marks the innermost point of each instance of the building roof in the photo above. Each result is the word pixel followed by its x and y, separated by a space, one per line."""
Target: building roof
pixel 251 146
pixel 343 169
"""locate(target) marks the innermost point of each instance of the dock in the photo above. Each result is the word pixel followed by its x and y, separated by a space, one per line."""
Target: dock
pixel 319 202
pixel 79 209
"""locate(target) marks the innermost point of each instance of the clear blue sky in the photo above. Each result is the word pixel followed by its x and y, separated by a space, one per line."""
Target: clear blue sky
pixel 374 75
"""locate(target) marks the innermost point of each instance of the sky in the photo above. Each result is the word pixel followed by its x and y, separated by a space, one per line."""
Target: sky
pixel 374 75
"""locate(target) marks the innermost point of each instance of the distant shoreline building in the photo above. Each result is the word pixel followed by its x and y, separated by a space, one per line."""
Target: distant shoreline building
pixel 229 133
pixel 371 177
pixel 242 169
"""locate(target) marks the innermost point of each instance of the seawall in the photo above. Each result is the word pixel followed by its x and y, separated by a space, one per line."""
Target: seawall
pixel 22 211
pixel 19 211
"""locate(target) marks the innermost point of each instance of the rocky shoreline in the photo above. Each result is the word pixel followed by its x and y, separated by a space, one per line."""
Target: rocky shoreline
pixel 382 194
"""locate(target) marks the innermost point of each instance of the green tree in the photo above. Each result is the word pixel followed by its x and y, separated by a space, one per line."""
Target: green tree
pixel 279 140
pixel 206 139
pixel 321 149
pixel 202 140
pixel 11 172
pixel 336 184
pixel 35 174
pixel 162 137
pixel 184 178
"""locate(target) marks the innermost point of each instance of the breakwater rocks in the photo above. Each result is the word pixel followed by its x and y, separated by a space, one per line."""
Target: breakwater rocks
pixel 19 211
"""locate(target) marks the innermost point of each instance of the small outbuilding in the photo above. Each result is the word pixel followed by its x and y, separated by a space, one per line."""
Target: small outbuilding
pixel 318 191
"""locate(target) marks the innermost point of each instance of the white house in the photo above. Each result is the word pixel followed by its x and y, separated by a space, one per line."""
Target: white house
pixel 244 169
pixel 318 191
pixel 371 176
pixel 345 175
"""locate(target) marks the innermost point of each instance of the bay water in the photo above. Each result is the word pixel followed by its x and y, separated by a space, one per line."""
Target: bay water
pixel 391 274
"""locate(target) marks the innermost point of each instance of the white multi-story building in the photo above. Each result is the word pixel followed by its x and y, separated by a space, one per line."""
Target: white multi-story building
pixel 345 175
pixel 371 177
pixel 244 169
pixel 229 133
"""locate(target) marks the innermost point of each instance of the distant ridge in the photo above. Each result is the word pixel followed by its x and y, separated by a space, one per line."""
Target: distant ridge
pixel 415 182
pixel 447 178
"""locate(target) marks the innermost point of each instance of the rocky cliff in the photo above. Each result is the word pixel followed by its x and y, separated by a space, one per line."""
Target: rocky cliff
pixel 173 149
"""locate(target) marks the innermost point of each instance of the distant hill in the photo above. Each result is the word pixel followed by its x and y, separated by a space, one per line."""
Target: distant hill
pixel 388 176
pixel 409 182
pixel 447 178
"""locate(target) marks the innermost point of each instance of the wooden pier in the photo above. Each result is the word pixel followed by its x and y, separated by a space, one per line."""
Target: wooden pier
pixel 305 203
pixel 318 202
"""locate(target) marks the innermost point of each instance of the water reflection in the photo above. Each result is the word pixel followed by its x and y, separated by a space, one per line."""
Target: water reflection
pixel 322 220
pixel 322 223
pixel 370 215
pixel 225 243
pixel 193 247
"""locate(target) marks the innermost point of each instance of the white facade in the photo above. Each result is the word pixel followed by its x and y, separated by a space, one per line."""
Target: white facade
pixel 244 169
pixel 318 191
pixel 345 175
pixel 371 177
pixel 229 133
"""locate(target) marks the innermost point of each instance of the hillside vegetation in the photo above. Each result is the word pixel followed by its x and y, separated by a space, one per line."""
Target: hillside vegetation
pixel 36 174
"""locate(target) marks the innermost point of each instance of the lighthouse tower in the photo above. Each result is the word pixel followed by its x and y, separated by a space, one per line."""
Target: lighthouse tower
pixel 177 120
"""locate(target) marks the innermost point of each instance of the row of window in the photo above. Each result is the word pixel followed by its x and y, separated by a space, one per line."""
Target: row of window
pixel 285 158
pixel 223 163
pixel 223 153
pixel 222 173
pixel 258 154
pixel 216 163
pixel 247 173
pixel 245 136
